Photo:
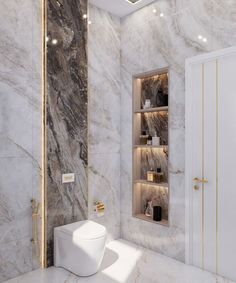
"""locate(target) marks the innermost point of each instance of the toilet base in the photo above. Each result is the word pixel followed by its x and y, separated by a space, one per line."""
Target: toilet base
pixel 80 256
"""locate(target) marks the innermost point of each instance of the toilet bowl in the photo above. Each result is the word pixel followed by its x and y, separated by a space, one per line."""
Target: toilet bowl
pixel 79 247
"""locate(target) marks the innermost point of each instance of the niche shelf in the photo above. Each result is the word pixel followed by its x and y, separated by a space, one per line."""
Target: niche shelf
pixel 150 146
pixel 149 118
pixel 142 216
pixel 145 182
pixel 154 109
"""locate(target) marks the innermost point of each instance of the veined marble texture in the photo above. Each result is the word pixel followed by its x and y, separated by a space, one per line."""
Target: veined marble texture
pixel 20 133
pixel 125 262
pixel 155 88
pixel 153 159
pixel 104 117
pixel 156 123
pixel 66 115
pixel 150 42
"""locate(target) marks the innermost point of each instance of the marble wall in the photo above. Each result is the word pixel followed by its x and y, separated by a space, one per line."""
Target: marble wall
pixel 150 42
pixel 66 115
pixel 20 133
pixel 104 117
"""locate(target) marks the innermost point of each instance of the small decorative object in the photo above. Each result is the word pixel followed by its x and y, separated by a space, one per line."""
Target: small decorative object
pixel 147 104
pixel 157 213
pixel 149 209
pixel 159 175
pixel 149 140
pixel 156 140
pixel 151 175
pixel 161 98
pixel 143 138
pixel 99 208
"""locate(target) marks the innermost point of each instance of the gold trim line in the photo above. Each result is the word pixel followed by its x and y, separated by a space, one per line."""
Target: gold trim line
pixel 44 140
pixel 217 166
pixel 203 165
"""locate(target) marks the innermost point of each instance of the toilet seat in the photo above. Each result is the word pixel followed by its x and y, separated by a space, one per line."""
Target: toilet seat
pixel 86 230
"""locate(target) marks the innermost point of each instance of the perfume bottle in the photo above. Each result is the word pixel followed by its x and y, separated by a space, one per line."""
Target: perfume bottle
pixel 156 140
pixel 151 175
pixel 147 104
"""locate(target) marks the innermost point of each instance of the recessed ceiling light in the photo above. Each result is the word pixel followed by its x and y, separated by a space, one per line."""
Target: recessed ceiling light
pixel 85 16
pixel 133 1
pixel 200 37
pixel 54 41
pixel 154 11
pixel 89 22
pixel 161 14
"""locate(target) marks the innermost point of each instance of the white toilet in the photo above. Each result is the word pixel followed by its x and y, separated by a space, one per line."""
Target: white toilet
pixel 79 247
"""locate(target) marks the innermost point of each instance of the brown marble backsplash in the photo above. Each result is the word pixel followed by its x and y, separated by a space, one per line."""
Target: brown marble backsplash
pixel 66 114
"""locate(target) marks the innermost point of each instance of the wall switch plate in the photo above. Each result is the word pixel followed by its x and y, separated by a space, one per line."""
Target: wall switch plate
pixel 68 178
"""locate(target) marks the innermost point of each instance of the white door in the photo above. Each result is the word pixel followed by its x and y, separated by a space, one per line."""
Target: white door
pixel 211 162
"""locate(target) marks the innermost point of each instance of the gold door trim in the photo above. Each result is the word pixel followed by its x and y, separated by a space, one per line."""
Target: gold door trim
pixel 203 165
pixel 217 166
pixel 203 168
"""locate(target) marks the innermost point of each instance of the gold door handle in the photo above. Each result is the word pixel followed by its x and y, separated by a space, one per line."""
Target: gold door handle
pixel 200 180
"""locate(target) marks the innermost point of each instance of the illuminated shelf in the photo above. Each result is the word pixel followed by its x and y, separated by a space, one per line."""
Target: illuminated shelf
pixel 153 86
pixel 155 109
pixel 141 216
pixel 144 182
pixel 150 146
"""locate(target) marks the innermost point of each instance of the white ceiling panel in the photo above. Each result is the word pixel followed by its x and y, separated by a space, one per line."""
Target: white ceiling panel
pixel 120 8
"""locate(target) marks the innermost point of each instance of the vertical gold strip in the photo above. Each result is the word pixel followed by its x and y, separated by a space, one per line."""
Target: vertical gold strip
pixel 44 141
pixel 217 166
pixel 203 165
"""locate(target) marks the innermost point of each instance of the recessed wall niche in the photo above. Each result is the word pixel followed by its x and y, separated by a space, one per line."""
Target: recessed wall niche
pixel 150 147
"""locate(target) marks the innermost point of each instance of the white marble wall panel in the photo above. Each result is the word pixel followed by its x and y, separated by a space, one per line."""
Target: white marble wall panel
pixel 104 117
pixel 104 185
pixel 20 132
pixel 150 42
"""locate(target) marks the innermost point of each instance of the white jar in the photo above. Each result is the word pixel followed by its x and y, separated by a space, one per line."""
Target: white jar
pixel 155 141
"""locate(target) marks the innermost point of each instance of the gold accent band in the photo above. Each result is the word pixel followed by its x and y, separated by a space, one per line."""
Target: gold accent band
pixel 217 166
pixel 44 96
pixel 203 165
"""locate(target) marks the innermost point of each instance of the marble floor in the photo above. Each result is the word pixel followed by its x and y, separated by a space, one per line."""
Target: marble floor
pixel 125 262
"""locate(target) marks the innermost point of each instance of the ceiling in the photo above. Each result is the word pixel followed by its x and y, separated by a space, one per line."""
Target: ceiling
pixel 120 8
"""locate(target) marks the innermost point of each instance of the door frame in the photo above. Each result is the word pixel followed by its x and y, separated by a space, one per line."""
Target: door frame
pixel 189 62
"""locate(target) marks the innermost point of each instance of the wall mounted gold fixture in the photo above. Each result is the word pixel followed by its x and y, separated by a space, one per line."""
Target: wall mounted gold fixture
pixel 200 180
pixel 35 214
pixel 197 180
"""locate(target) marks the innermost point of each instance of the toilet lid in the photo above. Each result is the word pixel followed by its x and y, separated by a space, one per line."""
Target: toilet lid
pixel 84 229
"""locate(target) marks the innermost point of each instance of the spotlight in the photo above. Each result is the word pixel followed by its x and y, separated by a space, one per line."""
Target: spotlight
pixel 54 41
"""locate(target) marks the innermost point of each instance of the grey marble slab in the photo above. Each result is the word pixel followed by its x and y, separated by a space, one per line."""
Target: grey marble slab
pixel 66 115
